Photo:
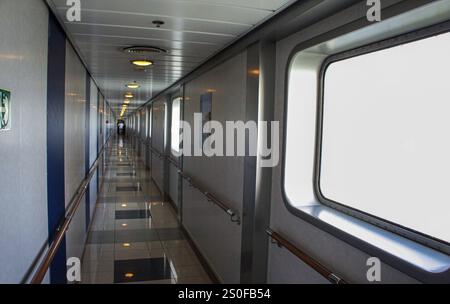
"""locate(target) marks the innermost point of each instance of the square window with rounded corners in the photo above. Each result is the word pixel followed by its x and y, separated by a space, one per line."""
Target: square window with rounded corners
pixel 366 135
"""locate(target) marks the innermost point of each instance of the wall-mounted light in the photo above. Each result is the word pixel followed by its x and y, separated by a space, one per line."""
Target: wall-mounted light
pixel 133 85
pixel 142 62
pixel 254 72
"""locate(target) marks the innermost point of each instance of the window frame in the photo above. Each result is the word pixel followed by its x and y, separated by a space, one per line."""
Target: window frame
pixel 414 235
pixel 416 260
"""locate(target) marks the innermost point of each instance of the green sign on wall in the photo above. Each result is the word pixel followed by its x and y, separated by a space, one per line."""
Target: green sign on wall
pixel 5 110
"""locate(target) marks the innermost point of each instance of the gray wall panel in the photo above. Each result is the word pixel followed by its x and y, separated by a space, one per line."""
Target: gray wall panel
pixel 158 142
pixel 222 176
pixel 93 143
pixel 173 184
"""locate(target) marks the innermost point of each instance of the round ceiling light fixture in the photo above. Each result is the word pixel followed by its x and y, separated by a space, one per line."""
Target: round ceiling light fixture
pixel 129 95
pixel 133 85
pixel 142 62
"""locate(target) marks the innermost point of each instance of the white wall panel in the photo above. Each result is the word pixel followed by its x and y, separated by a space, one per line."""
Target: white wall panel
pixel 23 183
pixel 74 147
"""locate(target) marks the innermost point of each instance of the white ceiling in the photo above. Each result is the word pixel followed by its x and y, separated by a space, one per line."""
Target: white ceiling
pixel 194 30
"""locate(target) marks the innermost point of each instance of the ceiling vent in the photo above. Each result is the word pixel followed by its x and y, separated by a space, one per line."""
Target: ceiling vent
pixel 144 50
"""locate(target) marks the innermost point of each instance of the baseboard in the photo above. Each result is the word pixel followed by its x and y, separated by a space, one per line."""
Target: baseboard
pixel 209 270
pixel 168 199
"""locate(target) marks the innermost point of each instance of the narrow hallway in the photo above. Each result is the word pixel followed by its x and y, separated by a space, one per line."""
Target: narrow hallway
pixel 135 237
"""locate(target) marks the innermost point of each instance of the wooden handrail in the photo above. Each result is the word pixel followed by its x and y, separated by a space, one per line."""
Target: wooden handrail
pixel 173 162
pixel 62 229
pixel 163 156
pixel 235 218
pixel 325 272
pixel 158 154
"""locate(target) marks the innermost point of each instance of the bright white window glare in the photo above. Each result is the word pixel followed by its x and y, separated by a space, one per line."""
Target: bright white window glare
pixel 386 146
pixel 138 123
pixel 175 128
pixel 150 117
pixel 146 122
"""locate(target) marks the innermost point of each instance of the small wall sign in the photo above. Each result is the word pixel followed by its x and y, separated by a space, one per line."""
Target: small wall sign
pixel 5 110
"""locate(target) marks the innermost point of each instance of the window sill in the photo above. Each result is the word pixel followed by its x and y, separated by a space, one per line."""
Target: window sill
pixel 421 262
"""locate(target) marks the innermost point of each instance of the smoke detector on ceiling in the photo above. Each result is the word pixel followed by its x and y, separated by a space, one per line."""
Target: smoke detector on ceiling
pixel 158 23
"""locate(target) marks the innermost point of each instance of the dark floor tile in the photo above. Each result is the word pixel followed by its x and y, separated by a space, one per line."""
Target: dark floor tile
pixel 100 237
pixel 136 236
pixel 107 199
pixel 128 189
pixel 126 174
pixel 132 214
pixel 128 180
pixel 143 270
pixel 132 199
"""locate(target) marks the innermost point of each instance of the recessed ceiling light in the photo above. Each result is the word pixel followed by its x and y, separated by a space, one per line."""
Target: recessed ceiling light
pixel 133 85
pixel 142 62
pixel 141 50
pixel 124 225
pixel 129 95
pixel 126 245
pixel 124 205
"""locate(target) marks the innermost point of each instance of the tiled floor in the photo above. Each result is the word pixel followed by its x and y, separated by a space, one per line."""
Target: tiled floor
pixel 135 236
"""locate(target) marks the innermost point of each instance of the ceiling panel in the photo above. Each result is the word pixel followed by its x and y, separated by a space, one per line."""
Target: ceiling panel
pixel 171 23
pixel 173 8
pixel 192 32
pixel 147 33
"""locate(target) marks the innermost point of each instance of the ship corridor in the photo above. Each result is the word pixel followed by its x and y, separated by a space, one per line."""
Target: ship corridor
pixel 261 143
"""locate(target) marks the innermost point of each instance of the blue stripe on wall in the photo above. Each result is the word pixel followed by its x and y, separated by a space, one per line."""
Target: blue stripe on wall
pixel 55 142
pixel 86 148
